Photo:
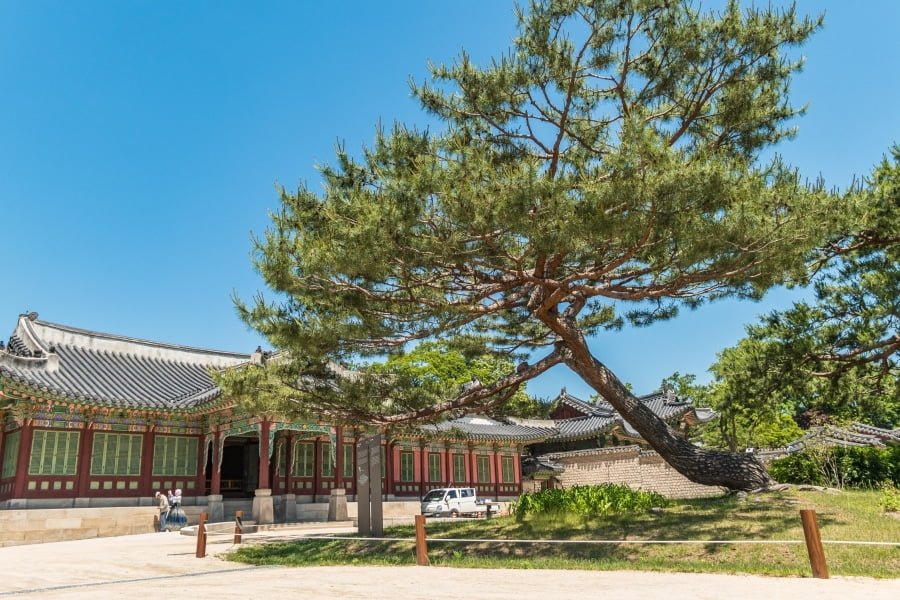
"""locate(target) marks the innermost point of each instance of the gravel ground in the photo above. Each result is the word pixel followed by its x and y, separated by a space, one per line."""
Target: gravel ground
pixel 162 565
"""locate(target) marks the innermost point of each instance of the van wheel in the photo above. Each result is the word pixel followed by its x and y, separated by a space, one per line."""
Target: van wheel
pixel 454 513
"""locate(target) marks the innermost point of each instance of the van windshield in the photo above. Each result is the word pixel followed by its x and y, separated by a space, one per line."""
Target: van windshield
pixel 433 496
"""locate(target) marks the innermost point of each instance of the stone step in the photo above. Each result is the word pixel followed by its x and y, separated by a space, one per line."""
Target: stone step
pixel 220 528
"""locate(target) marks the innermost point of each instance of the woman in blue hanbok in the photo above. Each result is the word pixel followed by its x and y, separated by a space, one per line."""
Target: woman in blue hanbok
pixel 177 519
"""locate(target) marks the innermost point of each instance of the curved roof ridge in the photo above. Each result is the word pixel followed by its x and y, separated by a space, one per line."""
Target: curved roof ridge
pixel 49 334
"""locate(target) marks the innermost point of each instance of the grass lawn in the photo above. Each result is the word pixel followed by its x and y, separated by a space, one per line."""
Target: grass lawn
pixel 850 515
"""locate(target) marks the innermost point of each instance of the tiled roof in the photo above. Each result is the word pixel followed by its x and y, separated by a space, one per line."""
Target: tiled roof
pixel 580 428
pixel 585 408
pixel 556 456
pixel 540 467
pixel 99 368
pixel 888 436
pixel 476 427
pixel 856 434
pixel 600 416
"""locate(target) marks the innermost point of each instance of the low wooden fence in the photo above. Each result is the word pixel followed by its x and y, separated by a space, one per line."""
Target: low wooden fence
pixel 812 540
pixel 203 532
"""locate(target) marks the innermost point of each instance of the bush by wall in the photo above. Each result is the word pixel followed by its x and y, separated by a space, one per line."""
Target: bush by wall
pixel 890 499
pixel 588 500
pixel 840 467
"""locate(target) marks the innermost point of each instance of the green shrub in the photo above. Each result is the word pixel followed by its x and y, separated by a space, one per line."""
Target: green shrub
pixel 840 467
pixel 802 467
pixel 588 501
pixel 890 498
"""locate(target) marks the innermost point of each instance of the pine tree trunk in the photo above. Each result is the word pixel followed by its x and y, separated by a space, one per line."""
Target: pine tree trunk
pixel 733 470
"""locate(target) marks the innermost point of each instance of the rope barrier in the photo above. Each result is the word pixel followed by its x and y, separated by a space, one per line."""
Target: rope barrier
pixel 539 541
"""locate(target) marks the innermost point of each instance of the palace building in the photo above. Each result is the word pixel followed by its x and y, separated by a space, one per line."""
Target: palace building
pixel 93 419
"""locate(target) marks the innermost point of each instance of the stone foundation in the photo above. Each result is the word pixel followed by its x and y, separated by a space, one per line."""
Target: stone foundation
pixel 34 526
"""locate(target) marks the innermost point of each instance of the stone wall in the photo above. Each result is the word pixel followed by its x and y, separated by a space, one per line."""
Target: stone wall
pixel 33 526
pixel 629 465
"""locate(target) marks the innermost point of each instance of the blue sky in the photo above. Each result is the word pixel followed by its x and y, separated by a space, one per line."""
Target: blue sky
pixel 141 142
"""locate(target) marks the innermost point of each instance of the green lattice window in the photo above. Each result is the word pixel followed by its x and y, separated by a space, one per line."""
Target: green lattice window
pixel 348 461
pixel 434 466
pixel 484 468
pixel 327 460
pixel 304 459
pixel 175 455
pixel 406 466
pixel 10 455
pixel 53 452
pixel 459 468
pixel 116 454
pixel 508 469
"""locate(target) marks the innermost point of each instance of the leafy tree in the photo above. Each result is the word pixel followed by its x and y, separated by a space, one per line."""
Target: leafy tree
pixel 435 366
pixel 685 386
pixel 835 359
pixel 604 171
pixel 752 412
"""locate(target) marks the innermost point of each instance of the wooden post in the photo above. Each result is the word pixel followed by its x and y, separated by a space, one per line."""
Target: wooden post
pixel 238 525
pixel 201 535
pixel 421 548
pixel 814 544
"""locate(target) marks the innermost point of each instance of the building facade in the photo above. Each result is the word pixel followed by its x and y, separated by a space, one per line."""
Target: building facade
pixel 91 419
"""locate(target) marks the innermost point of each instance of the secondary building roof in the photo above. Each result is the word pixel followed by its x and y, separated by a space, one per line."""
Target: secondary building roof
pixel 478 427
pixel 584 420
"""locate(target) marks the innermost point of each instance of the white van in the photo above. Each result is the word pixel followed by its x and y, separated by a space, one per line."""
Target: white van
pixel 451 502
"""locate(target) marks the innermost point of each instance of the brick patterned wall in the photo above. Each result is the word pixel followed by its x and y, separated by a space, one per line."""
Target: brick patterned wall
pixel 632 466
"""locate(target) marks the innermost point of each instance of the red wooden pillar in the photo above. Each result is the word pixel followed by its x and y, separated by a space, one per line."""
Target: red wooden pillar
pixel 265 427
pixel 317 467
pixel 388 468
pixel 84 461
pixel 22 462
pixel 288 463
pixel 448 465
pixel 215 476
pixel 498 473
pixel 200 479
pixel 517 469
pixel 147 462
pixel 423 469
pixel 338 457
pixel 356 435
pixel 473 467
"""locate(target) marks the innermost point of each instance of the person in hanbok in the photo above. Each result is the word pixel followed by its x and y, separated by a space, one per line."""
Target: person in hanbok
pixel 176 519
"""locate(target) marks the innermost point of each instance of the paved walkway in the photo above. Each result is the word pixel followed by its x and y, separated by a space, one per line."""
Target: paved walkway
pixel 163 566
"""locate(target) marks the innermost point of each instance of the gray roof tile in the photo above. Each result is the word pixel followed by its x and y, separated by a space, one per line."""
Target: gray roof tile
pixel 476 427
pixel 105 369
pixel 600 416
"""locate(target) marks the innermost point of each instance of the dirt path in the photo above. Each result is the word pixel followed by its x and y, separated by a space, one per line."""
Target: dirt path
pixel 163 565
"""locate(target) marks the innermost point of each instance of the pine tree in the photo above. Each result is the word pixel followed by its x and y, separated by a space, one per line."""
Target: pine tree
pixel 605 171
